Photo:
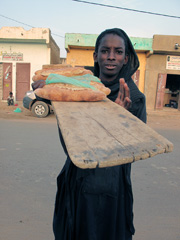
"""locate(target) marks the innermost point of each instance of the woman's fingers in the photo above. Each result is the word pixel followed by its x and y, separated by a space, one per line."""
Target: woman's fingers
pixel 121 88
pixel 127 103
pixel 126 90
pixel 123 97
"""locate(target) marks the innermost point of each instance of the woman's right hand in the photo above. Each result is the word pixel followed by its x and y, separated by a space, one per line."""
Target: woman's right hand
pixel 38 84
pixel 123 98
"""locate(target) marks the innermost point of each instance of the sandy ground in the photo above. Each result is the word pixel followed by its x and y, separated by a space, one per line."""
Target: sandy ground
pixel 32 206
pixel 7 112
pixel 168 117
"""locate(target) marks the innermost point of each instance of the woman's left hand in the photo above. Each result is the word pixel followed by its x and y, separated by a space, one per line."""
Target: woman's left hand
pixel 123 98
pixel 38 84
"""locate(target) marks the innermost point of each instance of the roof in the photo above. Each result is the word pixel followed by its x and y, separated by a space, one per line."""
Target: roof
pixel 78 40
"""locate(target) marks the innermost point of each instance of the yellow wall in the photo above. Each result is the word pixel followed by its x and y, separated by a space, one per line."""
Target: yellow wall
pixel 84 57
pixel 80 57
pixel 142 67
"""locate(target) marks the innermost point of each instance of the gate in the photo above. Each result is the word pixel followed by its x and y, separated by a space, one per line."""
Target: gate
pixel 22 80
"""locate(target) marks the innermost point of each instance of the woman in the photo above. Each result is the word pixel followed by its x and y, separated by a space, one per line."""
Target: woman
pixel 97 204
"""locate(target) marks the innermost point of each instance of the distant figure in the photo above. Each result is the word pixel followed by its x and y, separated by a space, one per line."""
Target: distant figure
pixel 10 99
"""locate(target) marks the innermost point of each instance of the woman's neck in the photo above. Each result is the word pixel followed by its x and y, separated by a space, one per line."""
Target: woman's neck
pixel 107 78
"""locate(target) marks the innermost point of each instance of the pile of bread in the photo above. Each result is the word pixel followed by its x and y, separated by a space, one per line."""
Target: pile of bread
pixel 71 84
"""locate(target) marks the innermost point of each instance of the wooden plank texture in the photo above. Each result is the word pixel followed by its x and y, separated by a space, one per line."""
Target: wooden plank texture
pixel 103 134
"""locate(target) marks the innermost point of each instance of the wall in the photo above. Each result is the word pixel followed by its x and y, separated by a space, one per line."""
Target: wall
pixel 1 80
pixel 30 55
pixel 166 43
pixel 21 33
pixel 80 57
pixel 54 52
pixel 142 61
pixel 156 64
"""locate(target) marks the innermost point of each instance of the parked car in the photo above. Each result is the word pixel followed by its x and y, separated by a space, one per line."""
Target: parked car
pixel 39 107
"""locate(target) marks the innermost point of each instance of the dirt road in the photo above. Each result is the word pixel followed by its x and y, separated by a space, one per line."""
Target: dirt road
pixel 29 171
pixel 168 117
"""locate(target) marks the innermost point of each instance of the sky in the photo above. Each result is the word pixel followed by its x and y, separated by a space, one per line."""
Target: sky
pixel 68 16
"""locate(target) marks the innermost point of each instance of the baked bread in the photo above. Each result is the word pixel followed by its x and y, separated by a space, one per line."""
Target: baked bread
pixel 55 66
pixel 73 89
pixel 69 93
pixel 65 71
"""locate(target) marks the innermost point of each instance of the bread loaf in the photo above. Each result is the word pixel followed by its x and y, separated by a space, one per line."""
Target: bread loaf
pixel 38 77
pixel 55 66
pixel 69 93
pixel 65 71
pixel 70 84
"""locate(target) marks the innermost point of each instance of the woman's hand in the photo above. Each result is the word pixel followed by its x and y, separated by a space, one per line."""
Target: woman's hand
pixel 123 98
pixel 38 84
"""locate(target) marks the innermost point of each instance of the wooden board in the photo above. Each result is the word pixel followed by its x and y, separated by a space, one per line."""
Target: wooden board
pixel 103 134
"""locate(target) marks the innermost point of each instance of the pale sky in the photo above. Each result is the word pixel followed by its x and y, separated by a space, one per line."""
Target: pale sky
pixel 67 16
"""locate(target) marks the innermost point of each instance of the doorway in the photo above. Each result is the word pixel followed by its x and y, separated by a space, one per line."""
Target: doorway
pixel 172 91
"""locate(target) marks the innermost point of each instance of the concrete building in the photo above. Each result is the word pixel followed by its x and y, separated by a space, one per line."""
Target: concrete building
pixel 162 75
pixel 21 54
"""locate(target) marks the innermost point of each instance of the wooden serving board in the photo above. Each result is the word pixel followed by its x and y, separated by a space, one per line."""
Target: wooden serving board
pixel 103 134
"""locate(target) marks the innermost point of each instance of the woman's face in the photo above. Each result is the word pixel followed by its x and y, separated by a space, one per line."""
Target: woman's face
pixel 110 56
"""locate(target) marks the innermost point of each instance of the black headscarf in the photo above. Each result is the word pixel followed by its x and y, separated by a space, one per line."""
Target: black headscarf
pixel 127 70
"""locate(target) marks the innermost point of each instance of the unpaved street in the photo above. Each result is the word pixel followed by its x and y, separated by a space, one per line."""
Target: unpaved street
pixel 31 157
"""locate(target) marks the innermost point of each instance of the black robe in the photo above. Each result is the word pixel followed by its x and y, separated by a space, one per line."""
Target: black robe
pixel 97 204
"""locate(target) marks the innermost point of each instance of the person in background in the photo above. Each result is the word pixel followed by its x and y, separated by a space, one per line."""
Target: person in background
pixel 97 204
pixel 10 100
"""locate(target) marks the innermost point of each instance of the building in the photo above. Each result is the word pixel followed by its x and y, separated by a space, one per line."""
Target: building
pixel 21 54
pixel 162 75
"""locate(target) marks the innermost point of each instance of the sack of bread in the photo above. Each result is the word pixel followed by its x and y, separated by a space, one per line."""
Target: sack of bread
pixel 77 88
